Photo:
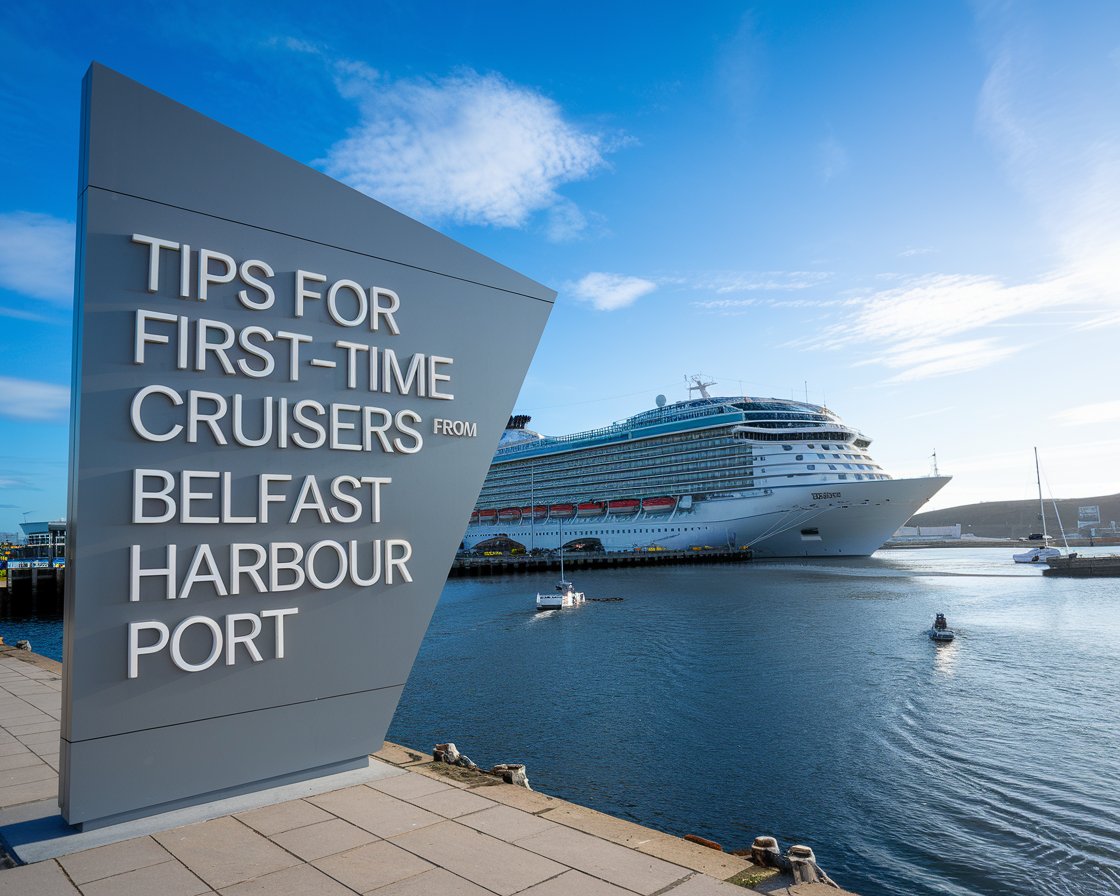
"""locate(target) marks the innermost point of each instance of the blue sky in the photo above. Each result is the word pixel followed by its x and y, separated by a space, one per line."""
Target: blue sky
pixel 908 211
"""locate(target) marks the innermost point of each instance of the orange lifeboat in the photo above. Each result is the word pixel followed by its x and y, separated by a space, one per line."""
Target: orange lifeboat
pixel 624 505
pixel 487 516
pixel 658 505
pixel 557 511
pixel 509 515
pixel 474 517
pixel 591 508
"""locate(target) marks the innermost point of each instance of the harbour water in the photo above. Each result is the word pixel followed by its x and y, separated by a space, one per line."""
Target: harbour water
pixel 804 700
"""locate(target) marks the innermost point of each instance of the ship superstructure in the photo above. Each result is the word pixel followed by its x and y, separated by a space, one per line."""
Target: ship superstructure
pixel 785 478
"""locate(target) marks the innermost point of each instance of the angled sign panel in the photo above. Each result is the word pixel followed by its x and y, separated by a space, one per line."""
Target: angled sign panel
pixel 286 396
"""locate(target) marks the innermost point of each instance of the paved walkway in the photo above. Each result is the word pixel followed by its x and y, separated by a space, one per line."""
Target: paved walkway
pixel 413 831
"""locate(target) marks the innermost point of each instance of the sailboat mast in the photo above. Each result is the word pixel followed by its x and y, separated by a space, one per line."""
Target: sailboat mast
pixel 1041 507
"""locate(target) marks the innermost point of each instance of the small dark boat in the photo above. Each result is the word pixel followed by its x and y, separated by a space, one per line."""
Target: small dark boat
pixel 941 630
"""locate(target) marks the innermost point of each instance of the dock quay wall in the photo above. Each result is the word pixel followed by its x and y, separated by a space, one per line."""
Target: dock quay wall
pixel 1084 567
pixel 487 566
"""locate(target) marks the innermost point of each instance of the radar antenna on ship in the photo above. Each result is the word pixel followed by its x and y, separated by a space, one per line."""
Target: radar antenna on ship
pixel 697 384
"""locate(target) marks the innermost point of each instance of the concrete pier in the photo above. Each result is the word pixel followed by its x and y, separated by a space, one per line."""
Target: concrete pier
pixel 405 827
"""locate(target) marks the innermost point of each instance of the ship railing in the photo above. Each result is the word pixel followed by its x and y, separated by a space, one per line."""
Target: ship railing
pixel 613 432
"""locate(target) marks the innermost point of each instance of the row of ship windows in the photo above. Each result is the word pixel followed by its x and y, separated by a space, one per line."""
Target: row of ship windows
pixel 579 470
pixel 822 457
pixel 672 484
pixel 609 462
pixel 611 471
pixel 628 452
pixel 616 474
pixel 608 479
pixel 645 531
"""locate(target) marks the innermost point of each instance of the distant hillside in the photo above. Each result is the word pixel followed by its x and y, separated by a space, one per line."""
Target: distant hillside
pixel 1016 519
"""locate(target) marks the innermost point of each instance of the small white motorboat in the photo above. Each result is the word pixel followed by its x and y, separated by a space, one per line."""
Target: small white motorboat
pixel 940 630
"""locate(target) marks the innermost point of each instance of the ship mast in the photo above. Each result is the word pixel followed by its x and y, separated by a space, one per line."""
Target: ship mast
pixel 697 384
pixel 1041 507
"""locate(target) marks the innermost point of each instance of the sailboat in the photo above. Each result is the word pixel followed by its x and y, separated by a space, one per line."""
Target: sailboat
pixel 1043 552
pixel 565 594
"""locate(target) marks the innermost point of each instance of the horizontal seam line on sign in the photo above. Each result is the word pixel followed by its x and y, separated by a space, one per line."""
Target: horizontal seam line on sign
pixel 403 264
pixel 230 715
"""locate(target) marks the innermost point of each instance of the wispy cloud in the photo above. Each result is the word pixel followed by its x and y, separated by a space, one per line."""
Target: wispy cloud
pixel 735 306
pixel 609 292
pixel 919 362
pixel 468 148
pixel 22 482
pixel 33 400
pixel 832 159
pixel 37 256
pixel 754 281
pixel 1097 413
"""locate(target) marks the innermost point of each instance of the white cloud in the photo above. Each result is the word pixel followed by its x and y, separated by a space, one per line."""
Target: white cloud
pixel 37 256
pixel 469 148
pixel 33 400
pixel 944 358
pixel 1100 412
pixel 609 292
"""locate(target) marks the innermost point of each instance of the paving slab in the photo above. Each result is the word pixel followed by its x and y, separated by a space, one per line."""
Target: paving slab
pixel 300 880
pixel 325 838
pixel 35 772
pixel 116 858
pixel 372 866
pixel 480 858
pixel 407 787
pixel 168 879
pixel 42 879
pixel 22 759
pixel 720 865
pixel 520 798
pixel 507 823
pixel 452 803
pixel 398 755
pixel 437 882
pixel 701 885
pixel 224 851
pixel 377 812
pixel 625 867
pixel 576 883
pixel 30 792
pixel 286 816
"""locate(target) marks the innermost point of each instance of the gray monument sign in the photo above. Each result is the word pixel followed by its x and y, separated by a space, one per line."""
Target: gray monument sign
pixel 286 396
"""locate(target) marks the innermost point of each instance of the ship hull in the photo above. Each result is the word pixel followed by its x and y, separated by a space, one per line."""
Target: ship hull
pixel 841 519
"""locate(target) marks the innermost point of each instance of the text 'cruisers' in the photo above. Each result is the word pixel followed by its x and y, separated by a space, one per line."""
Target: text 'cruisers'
pixel 784 478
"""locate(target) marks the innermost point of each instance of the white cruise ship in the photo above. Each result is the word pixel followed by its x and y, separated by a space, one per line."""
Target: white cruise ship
pixel 783 478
